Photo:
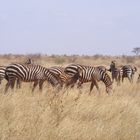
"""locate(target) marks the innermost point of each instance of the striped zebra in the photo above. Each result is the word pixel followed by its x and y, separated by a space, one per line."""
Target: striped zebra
pixel 2 73
pixel 128 72
pixel 72 70
pixel 28 73
pixel 3 68
pixel 90 74
pixel 94 75
pixel 2 76
pixel 116 72
pixel 62 77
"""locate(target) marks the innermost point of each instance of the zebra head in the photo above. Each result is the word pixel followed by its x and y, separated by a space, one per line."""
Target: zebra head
pixel 29 61
pixel 112 65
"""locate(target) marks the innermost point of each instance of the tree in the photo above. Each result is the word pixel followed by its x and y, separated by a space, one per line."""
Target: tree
pixel 136 50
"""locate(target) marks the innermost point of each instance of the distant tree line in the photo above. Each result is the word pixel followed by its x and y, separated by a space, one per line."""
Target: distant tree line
pixel 136 51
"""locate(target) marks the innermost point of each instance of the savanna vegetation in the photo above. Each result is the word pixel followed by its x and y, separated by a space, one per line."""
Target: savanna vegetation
pixel 71 114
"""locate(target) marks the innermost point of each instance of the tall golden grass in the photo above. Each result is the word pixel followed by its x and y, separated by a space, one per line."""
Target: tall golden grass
pixel 70 114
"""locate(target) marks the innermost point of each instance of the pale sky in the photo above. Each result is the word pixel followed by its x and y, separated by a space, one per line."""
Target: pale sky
pixel 88 27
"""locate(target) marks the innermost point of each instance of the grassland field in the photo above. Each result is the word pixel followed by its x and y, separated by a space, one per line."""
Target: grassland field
pixel 71 114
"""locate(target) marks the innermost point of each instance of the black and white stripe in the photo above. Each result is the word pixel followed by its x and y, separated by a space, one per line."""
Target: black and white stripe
pixel 3 68
pixel 128 72
pixel 89 74
pixel 102 68
pixel 28 61
pixel 61 75
pixel 94 75
pixel 73 70
pixel 2 73
pixel 28 73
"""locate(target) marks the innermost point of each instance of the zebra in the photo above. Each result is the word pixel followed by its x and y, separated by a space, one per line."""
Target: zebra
pixel 29 61
pixel 3 68
pixel 63 78
pixel 28 73
pixel 2 76
pixel 94 75
pixel 73 70
pixel 116 72
pixel 128 71
pixel 2 73
pixel 90 74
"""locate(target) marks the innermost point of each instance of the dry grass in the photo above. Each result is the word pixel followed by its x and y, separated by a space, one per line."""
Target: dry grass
pixel 70 114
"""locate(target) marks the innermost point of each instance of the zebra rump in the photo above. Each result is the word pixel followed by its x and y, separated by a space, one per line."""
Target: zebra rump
pixel 62 76
pixel 2 73
pixel 128 72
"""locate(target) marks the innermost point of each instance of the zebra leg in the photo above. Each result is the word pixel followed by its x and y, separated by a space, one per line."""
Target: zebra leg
pixel 130 79
pixel 97 87
pixel 122 78
pixel 91 87
pixel 113 77
pixel 0 80
pixel 41 85
pixel 18 84
pixel 118 80
pixel 94 83
pixel 79 84
pixel 34 85
pixel 10 83
pixel 7 87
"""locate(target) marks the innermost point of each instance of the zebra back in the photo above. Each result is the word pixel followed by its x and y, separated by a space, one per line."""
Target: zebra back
pixel 102 68
pixel 86 74
pixel 72 69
